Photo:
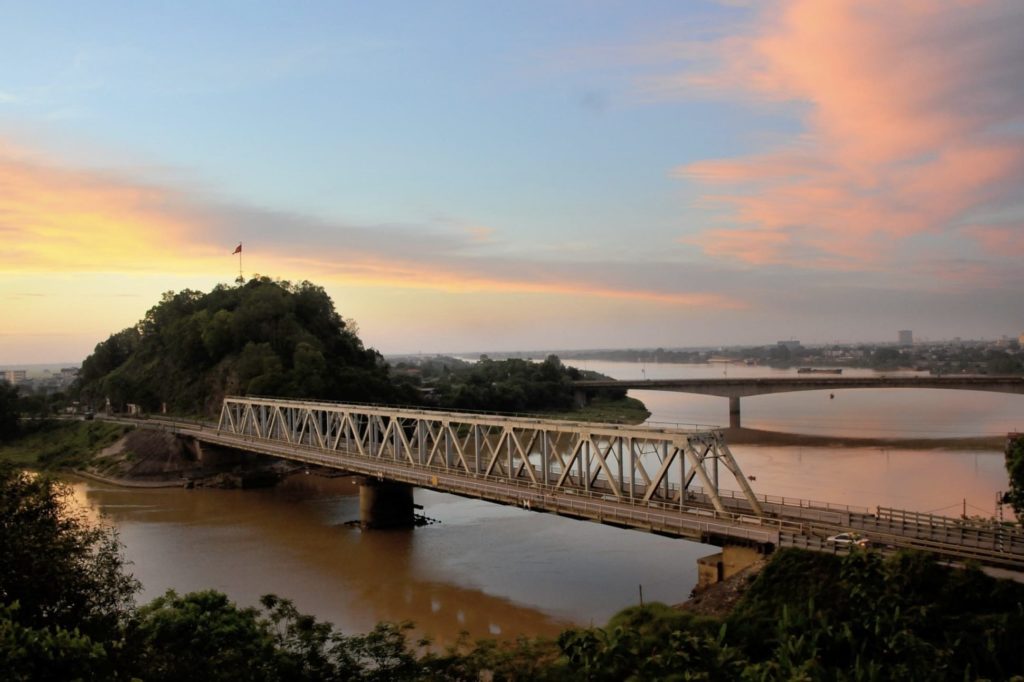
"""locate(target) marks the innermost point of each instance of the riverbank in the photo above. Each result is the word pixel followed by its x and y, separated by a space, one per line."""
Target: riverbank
pixel 744 436
pixel 624 411
pixel 125 483
pixel 125 456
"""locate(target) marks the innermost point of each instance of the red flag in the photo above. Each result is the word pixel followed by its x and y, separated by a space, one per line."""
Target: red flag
pixel 238 249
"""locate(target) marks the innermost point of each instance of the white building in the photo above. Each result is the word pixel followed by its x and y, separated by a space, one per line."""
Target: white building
pixel 13 376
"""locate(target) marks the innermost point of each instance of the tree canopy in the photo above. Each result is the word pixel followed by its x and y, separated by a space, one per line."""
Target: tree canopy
pixel 8 411
pixel 266 337
pixel 1015 468
pixel 512 385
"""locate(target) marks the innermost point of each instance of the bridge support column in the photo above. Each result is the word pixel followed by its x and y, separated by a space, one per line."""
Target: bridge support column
pixel 385 504
pixel 725 564
pixel 734 412
pixel 579 398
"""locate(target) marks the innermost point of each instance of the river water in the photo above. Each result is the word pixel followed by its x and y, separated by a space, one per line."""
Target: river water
pixel 500 571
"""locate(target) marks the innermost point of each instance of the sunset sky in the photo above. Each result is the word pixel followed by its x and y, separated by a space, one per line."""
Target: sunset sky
pixel 494 176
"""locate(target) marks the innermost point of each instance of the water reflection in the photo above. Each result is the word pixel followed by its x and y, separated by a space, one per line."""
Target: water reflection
pixel 485 569
pixel 922 480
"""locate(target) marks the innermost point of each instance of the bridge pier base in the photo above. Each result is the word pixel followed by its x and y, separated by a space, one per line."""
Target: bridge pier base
pixel 731 560
pixel 579 399
pixel 734 412
pixel 385 504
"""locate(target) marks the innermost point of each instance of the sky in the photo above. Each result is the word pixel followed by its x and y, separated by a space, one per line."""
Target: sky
pixel 467 176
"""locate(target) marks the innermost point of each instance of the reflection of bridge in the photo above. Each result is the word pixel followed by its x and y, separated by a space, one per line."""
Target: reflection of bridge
pixel 664 481
pixel 736 388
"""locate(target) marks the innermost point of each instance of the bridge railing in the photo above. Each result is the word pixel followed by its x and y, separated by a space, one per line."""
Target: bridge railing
pixel 951 524
pixel 794 502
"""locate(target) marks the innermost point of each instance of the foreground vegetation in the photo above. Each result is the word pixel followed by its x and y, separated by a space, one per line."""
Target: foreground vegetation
pixel 67 612
pixel 1015 468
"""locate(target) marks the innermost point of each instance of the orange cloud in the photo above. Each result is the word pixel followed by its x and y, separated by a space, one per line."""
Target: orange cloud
pixel 60 220
pixel 912 127
pixel 63 220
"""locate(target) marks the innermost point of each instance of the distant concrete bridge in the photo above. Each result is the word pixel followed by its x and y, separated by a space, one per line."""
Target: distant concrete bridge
pixel 736 388
pixel 664 481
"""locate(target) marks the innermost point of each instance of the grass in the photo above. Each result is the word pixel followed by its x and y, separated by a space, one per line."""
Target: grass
pixel 61 444
pixel 625 411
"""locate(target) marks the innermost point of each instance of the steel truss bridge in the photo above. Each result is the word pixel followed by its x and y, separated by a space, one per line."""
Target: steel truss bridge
pixel 664 481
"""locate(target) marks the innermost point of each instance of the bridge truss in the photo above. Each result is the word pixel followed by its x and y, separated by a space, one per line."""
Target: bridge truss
pixel 626 463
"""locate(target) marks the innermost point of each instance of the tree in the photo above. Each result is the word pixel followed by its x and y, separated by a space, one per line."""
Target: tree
pixel 8 411
pixel 1015 468
pixel 201 635
pixel 59 569
pixel 265 337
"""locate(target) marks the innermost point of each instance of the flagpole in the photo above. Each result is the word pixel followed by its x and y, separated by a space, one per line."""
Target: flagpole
pixel 241 277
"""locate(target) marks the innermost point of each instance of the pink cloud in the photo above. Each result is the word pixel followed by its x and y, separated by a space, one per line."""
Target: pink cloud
pixel 913 113
pixel 1004 239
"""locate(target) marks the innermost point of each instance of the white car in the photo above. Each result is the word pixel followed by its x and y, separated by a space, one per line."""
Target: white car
pixel 848 540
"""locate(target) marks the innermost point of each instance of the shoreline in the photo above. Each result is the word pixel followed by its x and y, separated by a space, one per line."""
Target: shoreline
pixel 126 482
pixel 745 436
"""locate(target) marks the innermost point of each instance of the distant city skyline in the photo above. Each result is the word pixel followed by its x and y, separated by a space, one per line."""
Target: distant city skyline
pixel 517 176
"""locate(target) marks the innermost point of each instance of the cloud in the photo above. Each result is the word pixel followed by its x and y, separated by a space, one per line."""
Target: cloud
pixel 913 116
pixel 1006 239
pixel 64 220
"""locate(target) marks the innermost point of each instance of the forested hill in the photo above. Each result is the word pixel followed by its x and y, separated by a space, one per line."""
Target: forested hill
pixel 264 337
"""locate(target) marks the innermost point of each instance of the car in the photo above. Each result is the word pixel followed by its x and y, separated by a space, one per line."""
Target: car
pixel 848 540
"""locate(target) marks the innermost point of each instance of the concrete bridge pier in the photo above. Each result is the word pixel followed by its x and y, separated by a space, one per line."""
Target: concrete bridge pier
pixel 731 560
pixel 734 412
pixel 385 504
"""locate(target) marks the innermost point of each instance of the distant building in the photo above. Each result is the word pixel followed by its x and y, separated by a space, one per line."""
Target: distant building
pixel 792 344
pixel 13 376
pixel 906 337
pixel 1020 339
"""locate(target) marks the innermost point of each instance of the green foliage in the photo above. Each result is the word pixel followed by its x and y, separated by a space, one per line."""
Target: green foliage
pixel 513 385
pixel 648 643
pixel 905 617
pixel 201 635
pixel 818 617
pixel 1015 468
pixel 61 571
pixel 8 412
pixel 32 653
pixel 61 444
pixel 265 337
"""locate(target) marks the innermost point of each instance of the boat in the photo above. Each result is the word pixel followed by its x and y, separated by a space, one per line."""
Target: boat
pixel 817 370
